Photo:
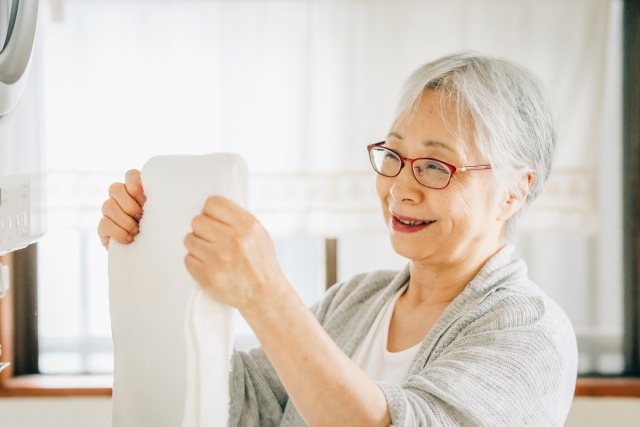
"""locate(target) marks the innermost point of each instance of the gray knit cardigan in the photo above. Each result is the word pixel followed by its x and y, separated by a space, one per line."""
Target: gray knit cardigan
pixel 502 354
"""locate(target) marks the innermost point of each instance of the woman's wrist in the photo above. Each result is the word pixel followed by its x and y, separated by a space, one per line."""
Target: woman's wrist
pixel 277 300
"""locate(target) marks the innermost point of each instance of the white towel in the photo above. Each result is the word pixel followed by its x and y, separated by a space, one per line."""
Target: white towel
pixel 172 342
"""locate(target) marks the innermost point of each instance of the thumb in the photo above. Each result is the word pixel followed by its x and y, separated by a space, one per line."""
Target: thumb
pixel 133 185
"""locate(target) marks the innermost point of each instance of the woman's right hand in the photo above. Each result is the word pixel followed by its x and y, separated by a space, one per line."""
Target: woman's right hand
pixel 123 210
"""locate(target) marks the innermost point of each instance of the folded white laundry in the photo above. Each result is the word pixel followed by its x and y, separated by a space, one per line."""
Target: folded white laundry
pixel 172 342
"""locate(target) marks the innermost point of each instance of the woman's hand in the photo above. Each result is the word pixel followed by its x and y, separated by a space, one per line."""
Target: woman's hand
pixel 123 210
pixel 232 256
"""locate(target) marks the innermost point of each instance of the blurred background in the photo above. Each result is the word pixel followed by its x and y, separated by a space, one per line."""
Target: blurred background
pixel 299 88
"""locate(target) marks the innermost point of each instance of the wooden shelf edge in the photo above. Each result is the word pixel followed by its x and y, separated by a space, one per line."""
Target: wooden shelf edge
pixel 51 392
pixel 57 386
pixel 608 387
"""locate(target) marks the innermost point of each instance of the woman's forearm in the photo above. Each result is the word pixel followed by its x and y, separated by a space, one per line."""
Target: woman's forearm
pixel 327 388
pixel 232 257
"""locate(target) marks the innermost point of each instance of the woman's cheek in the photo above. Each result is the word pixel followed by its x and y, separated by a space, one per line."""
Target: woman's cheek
pixel 472 209
pixel 383 187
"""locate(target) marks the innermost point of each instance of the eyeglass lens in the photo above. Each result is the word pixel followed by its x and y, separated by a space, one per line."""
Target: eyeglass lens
pixel 430 173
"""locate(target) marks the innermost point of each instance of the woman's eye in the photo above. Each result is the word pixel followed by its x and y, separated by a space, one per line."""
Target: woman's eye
pixel 436 167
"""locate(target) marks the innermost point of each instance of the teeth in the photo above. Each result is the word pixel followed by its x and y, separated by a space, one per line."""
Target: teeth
pixel 411 222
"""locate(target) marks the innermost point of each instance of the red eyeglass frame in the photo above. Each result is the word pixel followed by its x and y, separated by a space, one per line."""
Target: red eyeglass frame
pixel 452 168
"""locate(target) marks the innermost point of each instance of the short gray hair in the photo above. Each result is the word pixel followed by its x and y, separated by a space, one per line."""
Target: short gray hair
pixel 510 111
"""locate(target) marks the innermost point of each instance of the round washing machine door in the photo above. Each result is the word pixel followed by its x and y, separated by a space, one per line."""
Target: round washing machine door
pixel 18 20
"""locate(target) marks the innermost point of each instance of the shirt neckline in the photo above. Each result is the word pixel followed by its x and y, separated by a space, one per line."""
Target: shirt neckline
pixel 387 323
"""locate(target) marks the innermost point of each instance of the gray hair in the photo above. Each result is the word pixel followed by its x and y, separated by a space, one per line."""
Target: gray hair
pixel 508 108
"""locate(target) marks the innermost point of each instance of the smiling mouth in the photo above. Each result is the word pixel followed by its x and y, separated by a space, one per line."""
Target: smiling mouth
pixel 407 224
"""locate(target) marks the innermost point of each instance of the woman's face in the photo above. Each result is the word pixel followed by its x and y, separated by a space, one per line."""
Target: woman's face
pixel 456 221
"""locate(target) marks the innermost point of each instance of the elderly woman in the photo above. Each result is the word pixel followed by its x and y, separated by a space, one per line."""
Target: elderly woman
pixel 461 336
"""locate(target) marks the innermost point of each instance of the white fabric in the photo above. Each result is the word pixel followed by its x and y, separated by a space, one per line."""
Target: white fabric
pixel 172 343
pixel 373 355
pixel 300 88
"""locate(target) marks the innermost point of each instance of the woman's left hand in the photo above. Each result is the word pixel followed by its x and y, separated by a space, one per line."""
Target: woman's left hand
pixel 232 256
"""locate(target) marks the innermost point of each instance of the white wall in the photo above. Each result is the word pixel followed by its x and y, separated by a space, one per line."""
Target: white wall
pixel 55 412
pixel 96 412
pixel 601 412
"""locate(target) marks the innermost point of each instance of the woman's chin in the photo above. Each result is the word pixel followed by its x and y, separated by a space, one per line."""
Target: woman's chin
pixel 410 248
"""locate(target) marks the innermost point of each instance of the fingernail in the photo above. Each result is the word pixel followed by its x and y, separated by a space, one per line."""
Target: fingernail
pixel 136 231
pixel 129 238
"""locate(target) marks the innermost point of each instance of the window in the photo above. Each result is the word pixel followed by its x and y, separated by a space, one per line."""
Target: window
pixel 104 91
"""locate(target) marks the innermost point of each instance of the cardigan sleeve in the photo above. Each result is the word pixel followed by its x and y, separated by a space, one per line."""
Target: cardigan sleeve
pixel 499 371
pixel 257 396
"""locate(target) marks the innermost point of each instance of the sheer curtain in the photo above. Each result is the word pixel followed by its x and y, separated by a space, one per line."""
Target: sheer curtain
pixel 299 89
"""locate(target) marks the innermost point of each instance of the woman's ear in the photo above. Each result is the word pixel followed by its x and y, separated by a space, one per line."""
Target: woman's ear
pixel 515 196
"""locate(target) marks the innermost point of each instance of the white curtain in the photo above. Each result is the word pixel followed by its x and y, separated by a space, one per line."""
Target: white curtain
pixel 300 88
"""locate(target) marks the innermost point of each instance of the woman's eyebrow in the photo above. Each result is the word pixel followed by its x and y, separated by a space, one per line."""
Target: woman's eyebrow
pixel 430 143
pixel 395 134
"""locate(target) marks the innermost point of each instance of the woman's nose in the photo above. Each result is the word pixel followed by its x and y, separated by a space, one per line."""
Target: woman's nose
pixel 405 187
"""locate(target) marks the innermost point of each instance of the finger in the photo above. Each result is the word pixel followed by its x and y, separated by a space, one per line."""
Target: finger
pixel 199 248
pixel 128 204
pixel 108 229
pixel 104 240
pixel 226 211
pixel 196 268
pixel 112 210
pixel 209 229
pixel 133 185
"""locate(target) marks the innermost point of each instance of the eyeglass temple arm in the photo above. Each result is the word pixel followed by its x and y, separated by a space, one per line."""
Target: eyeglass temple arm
pixel 474 168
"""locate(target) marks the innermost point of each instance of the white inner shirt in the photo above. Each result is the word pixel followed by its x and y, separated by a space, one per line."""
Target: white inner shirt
pixel 372 354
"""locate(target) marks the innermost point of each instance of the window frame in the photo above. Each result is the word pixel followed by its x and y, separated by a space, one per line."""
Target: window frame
pixel 630 185
pixel 19 339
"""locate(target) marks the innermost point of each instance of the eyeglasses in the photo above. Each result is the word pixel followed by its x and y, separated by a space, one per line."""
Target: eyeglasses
pixel 431 173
